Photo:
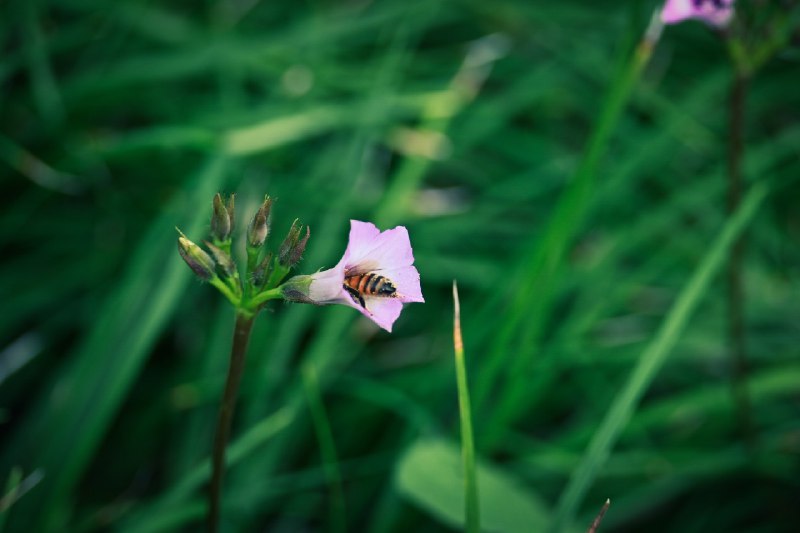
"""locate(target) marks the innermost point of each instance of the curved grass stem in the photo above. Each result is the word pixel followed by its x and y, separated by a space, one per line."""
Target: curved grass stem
pixel 651 360
pixel 471 503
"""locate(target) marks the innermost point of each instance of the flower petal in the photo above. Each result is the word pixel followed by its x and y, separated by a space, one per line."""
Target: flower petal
pixel 719 17
pixel 406 281
pixel 370 249
pixel 382 311
pixel 386 253
pixel 362 240
pixel 675 11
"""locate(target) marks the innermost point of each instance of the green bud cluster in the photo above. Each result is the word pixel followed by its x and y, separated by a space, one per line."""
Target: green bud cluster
pixel 264 270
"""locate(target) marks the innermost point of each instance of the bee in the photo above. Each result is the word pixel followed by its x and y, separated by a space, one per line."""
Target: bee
pixel 359 285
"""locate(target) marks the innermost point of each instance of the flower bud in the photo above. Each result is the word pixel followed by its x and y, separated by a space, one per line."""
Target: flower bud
pixel 198 260
pixel 220 219
pixel 293 246
pixel 263 270
pixel 225 266
pixel 297 252
pixel 258 231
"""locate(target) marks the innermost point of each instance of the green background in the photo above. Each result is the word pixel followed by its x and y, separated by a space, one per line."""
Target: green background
pixel 586 227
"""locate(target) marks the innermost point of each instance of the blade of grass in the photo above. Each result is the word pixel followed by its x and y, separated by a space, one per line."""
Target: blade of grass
pixel 46 93
pixel 250 52
pixel 651 360
pixel 181 513
pixel 395 401
pixel 16 488
pixel 599 518
pixel 35 169
pixel 93 385
pixel 327 446
pixel 436 119
pixel 145 518
pixel 471 503
pixel 10 494
pixel 546 254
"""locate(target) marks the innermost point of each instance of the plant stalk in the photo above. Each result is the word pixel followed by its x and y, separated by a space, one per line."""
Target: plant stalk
pixel 735 288
pixel 241 338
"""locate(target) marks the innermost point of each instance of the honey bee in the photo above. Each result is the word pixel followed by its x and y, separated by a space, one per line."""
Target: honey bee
pixel 359 285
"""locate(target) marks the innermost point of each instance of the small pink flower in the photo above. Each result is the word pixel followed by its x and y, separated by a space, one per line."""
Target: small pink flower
pixel 714 12
pixel 385 259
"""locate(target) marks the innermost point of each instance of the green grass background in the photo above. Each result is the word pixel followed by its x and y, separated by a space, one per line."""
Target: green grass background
pixel 588 245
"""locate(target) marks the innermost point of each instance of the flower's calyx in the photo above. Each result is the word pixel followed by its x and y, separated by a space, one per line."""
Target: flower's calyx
pixel 297 288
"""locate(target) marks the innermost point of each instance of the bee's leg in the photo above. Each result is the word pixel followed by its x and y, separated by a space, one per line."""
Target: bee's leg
pixel 352 292
pixel 356 296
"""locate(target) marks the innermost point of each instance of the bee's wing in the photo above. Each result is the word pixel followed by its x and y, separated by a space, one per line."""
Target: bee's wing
pixel 363 268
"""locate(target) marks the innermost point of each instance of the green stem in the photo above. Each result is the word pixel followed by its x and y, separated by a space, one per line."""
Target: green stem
pixel 278 273
pixel 262 297
pixel 225 245
pixel 471 503
pixel 226 290
pixel 241 337
pixel 735 287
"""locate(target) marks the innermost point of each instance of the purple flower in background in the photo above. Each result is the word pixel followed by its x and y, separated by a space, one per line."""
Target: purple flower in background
pixel 714 12
pixel 375 275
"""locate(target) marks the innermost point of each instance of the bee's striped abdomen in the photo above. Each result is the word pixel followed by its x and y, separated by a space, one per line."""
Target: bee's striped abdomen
pixel 369 284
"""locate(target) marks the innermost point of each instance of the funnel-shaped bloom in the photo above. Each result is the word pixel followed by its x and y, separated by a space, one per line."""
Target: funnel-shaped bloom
pixel 375 275
pixel 714 12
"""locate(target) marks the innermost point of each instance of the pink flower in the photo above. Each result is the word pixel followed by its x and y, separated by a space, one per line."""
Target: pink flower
pixel 714 12
pixel 375 275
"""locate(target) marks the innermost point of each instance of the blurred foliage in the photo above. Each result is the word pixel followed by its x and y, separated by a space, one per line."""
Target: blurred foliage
pixel 465 122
